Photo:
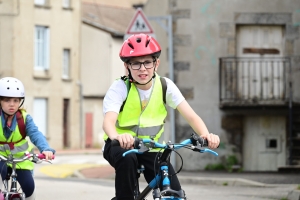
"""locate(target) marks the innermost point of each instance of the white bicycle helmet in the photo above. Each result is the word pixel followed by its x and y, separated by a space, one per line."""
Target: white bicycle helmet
pixel 11 87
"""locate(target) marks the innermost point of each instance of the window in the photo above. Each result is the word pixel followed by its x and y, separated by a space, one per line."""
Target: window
pixel 66 3
pixel 66 64
pixel 271 143
pixel 40 2
pixel 41 48
pixel 40 112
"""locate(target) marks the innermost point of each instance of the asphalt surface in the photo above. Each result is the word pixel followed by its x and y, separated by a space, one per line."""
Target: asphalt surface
pixel 260 177
pixel 238 179
pixel 106 171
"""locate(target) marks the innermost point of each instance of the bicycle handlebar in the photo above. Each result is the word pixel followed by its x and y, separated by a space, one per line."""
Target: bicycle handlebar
pixel 195 143
pixel 27 156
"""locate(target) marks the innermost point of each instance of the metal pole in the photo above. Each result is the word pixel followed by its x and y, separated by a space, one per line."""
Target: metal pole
pixel 290 114
pixel 171 76
pixel 169 31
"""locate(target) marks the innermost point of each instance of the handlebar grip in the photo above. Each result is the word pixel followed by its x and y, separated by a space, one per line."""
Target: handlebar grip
pixel 196 138
pixel 135 144
pixel 42 156
pixel 203 142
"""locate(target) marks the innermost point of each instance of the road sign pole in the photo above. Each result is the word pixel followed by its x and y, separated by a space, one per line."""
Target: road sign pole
pixel 169 31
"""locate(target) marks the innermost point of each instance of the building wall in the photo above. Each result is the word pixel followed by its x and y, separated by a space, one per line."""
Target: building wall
pixel 18 33
pixel 7 14
pixel 204 31
pixel 100 66
pixel 100 54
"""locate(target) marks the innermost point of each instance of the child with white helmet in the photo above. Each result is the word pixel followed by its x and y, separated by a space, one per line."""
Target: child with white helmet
pixel 12 138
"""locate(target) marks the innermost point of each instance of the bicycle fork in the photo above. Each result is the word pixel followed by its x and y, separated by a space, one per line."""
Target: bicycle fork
pixel 167 192
pixel 140 170
pixel 13 191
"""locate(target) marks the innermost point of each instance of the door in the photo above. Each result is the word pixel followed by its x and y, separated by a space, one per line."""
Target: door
pixel 40 113
pixel 88 130
pixel 264 143
pixel 261 69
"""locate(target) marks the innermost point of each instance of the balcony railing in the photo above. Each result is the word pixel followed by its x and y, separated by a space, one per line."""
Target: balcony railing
pixel 254 81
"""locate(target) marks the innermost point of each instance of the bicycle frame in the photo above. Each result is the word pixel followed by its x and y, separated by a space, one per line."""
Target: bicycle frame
pixel 11 191
pixel 165 182
pixel 163 177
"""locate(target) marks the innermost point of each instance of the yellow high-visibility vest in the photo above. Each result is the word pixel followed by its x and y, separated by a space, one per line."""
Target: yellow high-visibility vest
pixel 147 123
pixel 20 147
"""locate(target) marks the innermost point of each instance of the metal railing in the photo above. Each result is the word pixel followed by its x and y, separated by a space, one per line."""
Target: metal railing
pixel 249 81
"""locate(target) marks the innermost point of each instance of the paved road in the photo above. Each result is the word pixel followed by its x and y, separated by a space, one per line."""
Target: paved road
pixel 217 186
pixel 66 165
pixel 79 189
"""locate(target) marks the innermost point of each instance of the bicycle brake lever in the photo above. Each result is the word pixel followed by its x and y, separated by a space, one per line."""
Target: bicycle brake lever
pixel 199 148
pixel 143 149
pixel 38 161
pixel 47 161
pixel 131 151
pixel 209 151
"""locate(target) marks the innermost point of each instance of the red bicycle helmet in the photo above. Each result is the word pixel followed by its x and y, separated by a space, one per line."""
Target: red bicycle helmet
pixel 139 45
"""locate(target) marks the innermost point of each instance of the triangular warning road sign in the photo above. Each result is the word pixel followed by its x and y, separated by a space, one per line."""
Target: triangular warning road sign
pixel 139 24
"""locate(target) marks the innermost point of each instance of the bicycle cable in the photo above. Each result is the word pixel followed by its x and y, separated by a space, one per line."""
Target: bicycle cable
pixel 154 166
pixel 156 159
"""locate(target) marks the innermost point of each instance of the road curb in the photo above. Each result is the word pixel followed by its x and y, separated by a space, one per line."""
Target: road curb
pixel 222 181
pixel 294 195
pixel 77 174
pixel 78 151
pixel 183 179
pixel 107 172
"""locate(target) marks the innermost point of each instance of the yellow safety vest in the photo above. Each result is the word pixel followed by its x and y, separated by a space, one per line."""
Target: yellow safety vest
pixel 147 123
pixel 19 148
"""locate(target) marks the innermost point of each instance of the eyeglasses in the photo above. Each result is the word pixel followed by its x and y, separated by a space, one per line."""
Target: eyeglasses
pixel 147 64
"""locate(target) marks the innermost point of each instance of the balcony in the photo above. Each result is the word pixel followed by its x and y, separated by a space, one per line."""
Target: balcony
pixel 249 81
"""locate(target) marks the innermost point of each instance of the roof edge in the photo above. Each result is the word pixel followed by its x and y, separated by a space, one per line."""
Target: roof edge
pixel 113 32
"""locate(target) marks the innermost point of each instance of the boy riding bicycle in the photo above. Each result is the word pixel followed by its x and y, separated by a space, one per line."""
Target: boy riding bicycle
pixel 139 111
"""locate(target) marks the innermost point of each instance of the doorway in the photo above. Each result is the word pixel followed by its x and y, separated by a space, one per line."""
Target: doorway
pixel 261 72
pixel 66 105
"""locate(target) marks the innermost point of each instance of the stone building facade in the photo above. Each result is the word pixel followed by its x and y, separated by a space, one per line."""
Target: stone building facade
pixel 237 63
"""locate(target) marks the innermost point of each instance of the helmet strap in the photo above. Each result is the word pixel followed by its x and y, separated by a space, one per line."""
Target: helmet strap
pixel 23 99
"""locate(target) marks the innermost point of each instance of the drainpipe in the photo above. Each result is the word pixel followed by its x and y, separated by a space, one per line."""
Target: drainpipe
pixel 290 114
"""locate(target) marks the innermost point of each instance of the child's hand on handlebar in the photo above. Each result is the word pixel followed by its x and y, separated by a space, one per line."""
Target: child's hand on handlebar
pixel 213 140
pixel 126 140
pixel 48 155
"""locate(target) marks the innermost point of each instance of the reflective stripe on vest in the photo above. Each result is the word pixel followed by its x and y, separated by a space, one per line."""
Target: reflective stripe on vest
pixel 142 131
pixel 147 123
pixel 19 148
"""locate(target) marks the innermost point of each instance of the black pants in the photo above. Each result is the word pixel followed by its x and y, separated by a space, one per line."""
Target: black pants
pixel 126 170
